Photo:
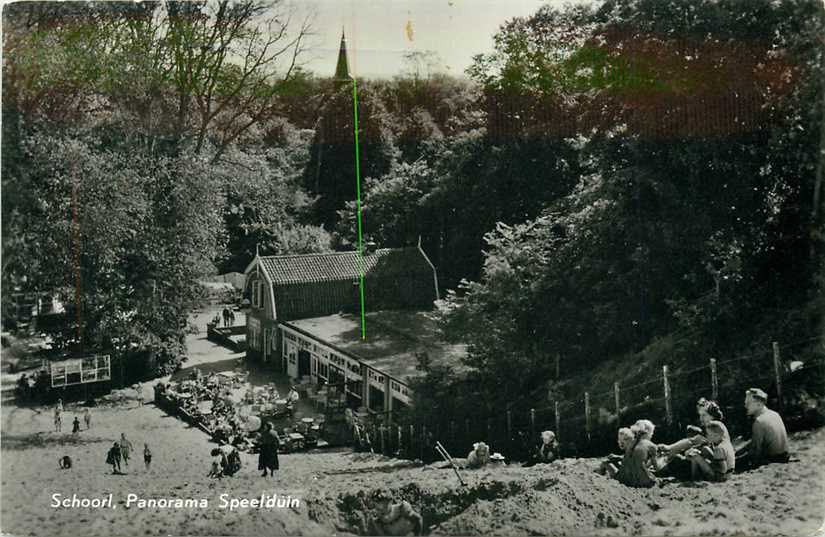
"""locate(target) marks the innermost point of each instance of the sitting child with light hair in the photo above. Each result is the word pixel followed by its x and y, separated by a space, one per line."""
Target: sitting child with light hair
pixel 479 456
pixel 715 461
pixel 639 464
pixel 613 464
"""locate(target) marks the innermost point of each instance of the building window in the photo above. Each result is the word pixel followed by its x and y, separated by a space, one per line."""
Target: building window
pixel 254 337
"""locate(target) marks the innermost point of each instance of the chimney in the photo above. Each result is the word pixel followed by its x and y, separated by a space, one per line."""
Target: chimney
pixel 368 248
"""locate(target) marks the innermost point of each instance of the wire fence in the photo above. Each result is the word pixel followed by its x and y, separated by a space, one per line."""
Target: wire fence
pixel 587 425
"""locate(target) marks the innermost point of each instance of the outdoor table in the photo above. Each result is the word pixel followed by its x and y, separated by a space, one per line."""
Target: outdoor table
pixel 296 440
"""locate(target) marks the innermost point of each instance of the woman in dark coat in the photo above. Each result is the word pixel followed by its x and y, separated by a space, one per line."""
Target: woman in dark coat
pixel 268 454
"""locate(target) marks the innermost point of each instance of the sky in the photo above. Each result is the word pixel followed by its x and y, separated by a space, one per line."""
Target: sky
pixel 377 31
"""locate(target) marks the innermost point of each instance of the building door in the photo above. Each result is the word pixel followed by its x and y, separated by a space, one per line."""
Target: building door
pixel 303 362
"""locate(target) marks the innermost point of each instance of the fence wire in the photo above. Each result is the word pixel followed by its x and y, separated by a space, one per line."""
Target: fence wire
pixel 590 429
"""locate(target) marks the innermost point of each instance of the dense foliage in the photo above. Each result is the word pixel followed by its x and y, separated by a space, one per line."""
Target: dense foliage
pixel 143 148
pixel 614 181
pixel 714 236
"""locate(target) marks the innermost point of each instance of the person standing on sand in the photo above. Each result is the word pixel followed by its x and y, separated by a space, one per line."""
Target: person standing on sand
pixel 147 456
pixel 268 454
pixel 125 448
pixel 75 425
pixel 58 417
pixel 113 458
pixel 87 418
pixel 139 389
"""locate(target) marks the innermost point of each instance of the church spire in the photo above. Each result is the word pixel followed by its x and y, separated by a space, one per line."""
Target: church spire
pixel 342 67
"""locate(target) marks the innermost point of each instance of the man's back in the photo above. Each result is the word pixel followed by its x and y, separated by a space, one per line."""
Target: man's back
pixel 769 435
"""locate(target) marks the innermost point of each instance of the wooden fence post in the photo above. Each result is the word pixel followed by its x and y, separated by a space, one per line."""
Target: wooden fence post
pixel 558 366
pixel 587 414
pixel 532 424
pixel 558 419
pixel 618 402
pixel 668 408
pixel 777 371
pixel 714 380
pixel 410 444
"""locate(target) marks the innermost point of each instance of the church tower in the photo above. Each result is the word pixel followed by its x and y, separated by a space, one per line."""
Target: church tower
pixel 342 75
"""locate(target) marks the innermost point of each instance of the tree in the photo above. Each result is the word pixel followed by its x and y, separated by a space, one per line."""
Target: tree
pixel 664 233
pixel 330 173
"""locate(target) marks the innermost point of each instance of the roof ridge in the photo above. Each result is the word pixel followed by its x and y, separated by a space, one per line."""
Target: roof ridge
pixel 324 254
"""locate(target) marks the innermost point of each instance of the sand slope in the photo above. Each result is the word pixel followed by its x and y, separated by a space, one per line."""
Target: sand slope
pixel 564 498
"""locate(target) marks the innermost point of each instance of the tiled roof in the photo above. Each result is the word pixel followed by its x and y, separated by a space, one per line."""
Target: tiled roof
pixel 337 266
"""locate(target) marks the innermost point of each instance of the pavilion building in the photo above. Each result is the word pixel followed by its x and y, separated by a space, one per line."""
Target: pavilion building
pixel 306 320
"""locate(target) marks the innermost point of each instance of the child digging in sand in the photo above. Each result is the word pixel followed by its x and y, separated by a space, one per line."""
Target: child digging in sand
pixel 716 461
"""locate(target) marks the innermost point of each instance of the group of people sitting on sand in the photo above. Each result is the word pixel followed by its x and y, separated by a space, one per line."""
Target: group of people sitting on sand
pixel 707 454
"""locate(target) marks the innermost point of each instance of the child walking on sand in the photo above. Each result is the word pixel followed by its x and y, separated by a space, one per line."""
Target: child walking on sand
pixel 147 456
pixel 75 425
pixel 125 448
pixel 87 418
pixel 113 458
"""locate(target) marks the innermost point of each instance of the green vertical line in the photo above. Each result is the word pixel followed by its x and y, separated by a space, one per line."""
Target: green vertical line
pixel 358 214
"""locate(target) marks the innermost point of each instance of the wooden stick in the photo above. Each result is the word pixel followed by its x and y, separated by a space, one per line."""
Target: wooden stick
pixel 446 456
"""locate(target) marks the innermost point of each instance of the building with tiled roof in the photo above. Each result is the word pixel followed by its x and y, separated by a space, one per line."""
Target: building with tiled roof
pixel 288 289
